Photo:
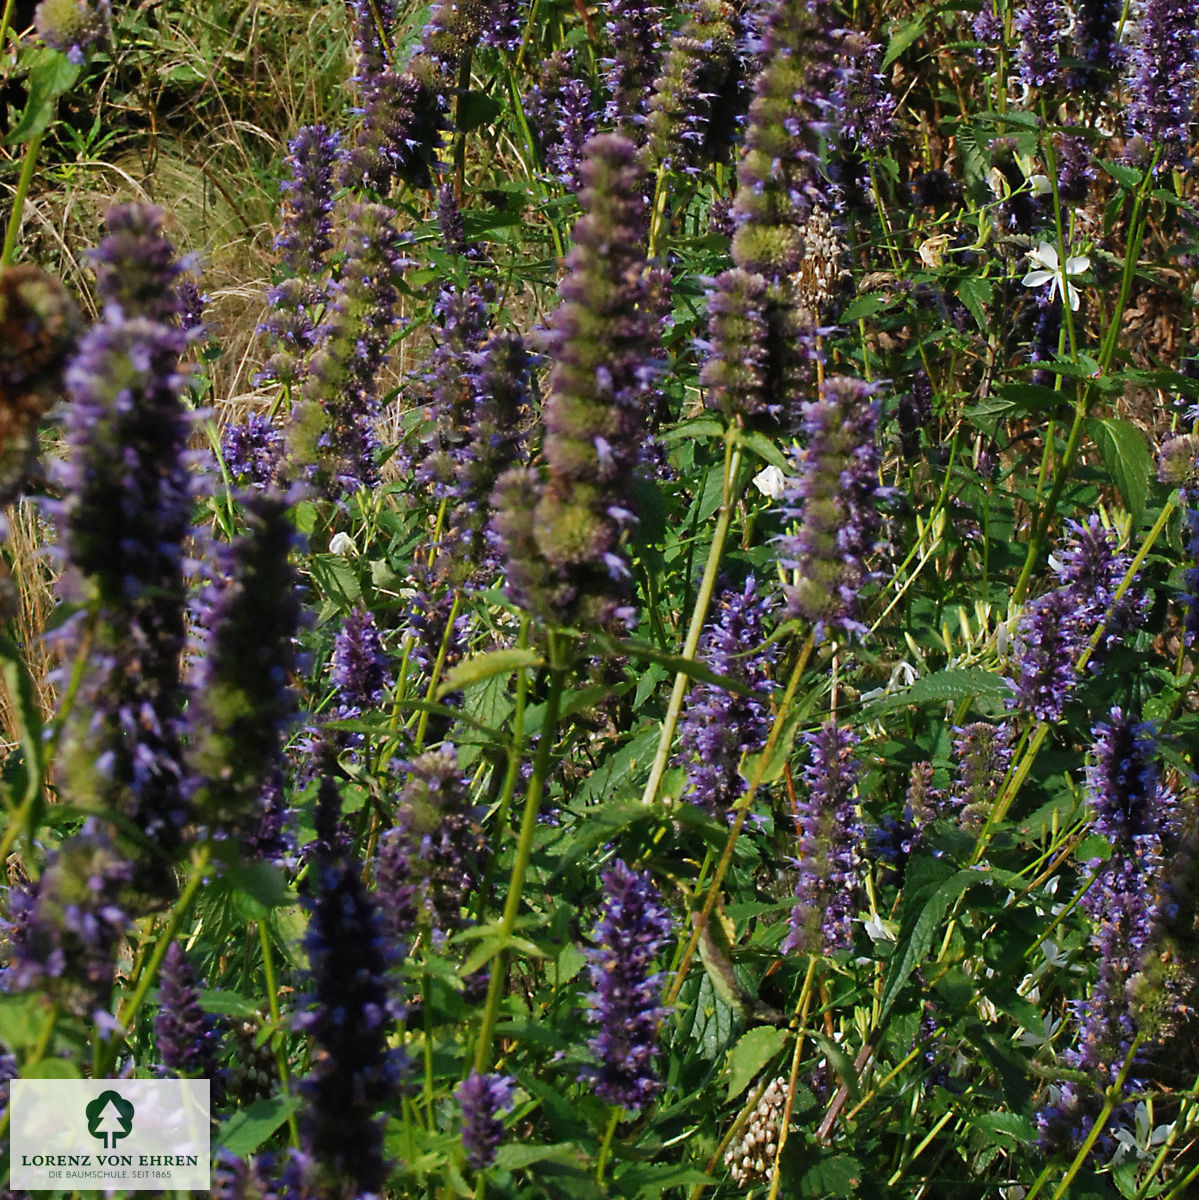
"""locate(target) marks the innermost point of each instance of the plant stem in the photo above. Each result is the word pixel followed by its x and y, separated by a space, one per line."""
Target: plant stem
pixel 524 850
pixel 741 808
pixel 606 1146
pixel 272 999
pixel 805 1002
pixel 699 614
pixel 18 200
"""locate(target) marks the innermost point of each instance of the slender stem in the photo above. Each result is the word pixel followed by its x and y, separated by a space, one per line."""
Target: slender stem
pixel 741 808
pixel 699 614
pixel 6 21
pixel 606 1145
pixel 524 850
pixel 805 1001
pixel 18 200
pixel 149 972
pixel 272 999
pixel 443 652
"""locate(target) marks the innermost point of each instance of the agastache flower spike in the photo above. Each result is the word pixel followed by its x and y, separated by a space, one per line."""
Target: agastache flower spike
pixel 1134 813
pixel 835 498
pixel 1095 45
pixel 125 518
pixel 252 452
pixel 481 1098
pixel 625 1004
pixel 308 201
pixel 73 26
pixel 690 112
pixel 1038 57
pixel 334 433
pixel 398 137
pixel 242 702
pixel 718 726
pixel 184 1033
pixel 635 30
pixel 353 1071
pixel 432 862
pixel 829 835
pixel 1161 78
pixel 1047 643
pixel 866 110
pixel 982 753
pixel 603 344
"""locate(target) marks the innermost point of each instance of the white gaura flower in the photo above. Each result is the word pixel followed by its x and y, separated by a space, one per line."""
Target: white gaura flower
pixel 770 482
pixel 1047 271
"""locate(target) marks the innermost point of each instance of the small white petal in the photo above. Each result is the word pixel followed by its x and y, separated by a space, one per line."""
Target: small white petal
pixel 1040 184
pixel 1078 264
pixel 770 482
pixel 1044 254
pixel 1037 278
pixel 342 545
pixel 1073 296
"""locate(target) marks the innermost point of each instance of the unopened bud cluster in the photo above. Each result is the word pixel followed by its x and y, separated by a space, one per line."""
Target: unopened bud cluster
pixel 750 1159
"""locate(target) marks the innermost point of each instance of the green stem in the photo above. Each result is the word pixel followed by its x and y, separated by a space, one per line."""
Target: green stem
pixel 272 999
pixel 741 808
pixel 6 21
pixel 606 1146
pixel 18 200
pixel 699 614
pixel 524 851
pixel 149 972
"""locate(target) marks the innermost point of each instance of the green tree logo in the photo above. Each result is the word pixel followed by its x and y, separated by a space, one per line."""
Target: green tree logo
pixel 109 1117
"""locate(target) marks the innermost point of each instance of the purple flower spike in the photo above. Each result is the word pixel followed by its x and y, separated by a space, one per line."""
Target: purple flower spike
pixel 636 33
pixel 242 702
pixel 597 417
pixel 186 1036
pixel 625 1002
pixel 835 497
pixel 482 1097
pixel 830 833
pixel 1161 78
pixel 73 26
pixel 1038 57
pixel 334 432
pixel 308 201
pixel 982 753
pixel 252 452
pixel 718 727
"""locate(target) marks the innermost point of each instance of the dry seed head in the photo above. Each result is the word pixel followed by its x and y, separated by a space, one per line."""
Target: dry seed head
pixel 749 1159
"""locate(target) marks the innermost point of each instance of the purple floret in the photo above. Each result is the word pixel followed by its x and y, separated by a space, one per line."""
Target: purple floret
pixel 482 1097
pixel 625 1004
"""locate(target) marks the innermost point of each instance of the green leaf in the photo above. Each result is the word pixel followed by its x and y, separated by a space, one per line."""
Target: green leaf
pixel 50 74
pixel 484 666
pixel 754 1049
pixel 51 1068
pixel 842 1064
pixel 1006 1127
pixel 866 306
pixel 763 447
pixel 21 1021
pixel 976 293
pixel 227 1004
pixel 652 1179
pixel 27 714
pixel 831 1175
pixel 903 35
pixel 336 579
pixel 700 427
pixel 1125 454
pixel 261 882
pixel 248 1128
pixel 475 109
pixel 918 930
pixel 946 687
pixel 513 1156
pixel 1124 175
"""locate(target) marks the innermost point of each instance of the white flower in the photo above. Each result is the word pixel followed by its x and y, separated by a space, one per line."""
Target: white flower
pixel 1044 258
pixel 770 482
pixel 342 545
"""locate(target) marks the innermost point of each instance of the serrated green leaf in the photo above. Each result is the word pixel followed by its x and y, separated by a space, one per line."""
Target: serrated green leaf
pixel 754 1049
pixel 976 293
pixel 248 1128
pixel 1006 1127
pixel 1124 175
pixel 51 1068
pixel 484 666
pixel 513 1156
pixel 261 882
pixel 50 74
pixel 652 1179
pixel 763 447
pixel 903 35
pixel 866 306
pixel 830 1176
pixel 948 687
pixel 918 930
pixel 700 427
pixel 21 1021
pixel 227 1004
pixel 1125 454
